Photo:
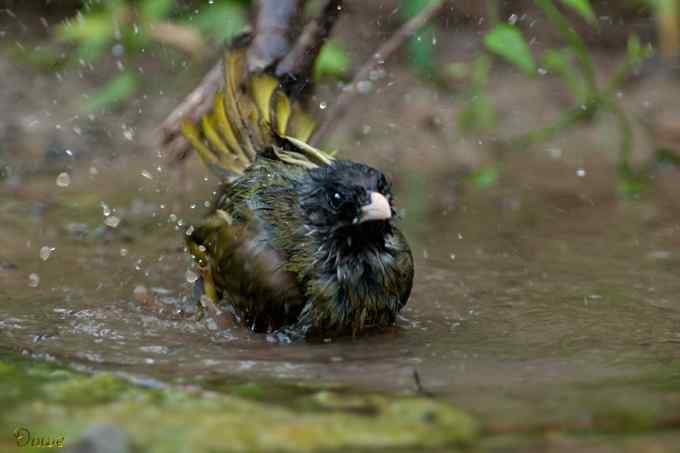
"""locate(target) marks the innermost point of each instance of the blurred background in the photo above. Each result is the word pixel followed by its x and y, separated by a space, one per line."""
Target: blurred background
pixel 535 149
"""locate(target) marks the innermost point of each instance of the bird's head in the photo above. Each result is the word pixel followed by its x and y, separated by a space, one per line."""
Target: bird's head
pixel 347 196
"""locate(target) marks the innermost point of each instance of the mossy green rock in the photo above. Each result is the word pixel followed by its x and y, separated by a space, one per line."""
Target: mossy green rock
pixel 53 402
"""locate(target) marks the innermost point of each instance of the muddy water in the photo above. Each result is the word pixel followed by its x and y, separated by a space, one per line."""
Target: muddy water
pixel 527 306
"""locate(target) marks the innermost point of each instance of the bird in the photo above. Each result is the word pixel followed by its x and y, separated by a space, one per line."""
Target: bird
pixel 299 243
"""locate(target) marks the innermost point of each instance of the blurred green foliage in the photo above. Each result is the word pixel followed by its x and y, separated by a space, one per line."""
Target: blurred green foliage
pixel 485 177
pixel 507 41
pixel 479 113
pixel 421 45
pixel 221 20
pixel 573 65
pixel 123 29
pixel 332 61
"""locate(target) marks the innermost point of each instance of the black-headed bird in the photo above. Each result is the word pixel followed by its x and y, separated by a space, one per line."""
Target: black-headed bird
pixel 299 243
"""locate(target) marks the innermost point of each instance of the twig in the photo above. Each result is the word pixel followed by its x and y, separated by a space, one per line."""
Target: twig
pixel 298 61
pixel 419 385
pixel 179 36
pixel 379 56
pixel 273 30
pixel 296 67
pixel 270 43
pixel 194 106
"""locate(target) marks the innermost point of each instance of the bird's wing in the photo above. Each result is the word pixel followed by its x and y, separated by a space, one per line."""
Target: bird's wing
pixel 253 113
pixel 246 269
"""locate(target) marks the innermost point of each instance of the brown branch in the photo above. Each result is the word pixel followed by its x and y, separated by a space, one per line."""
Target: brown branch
pixel 296 67
pixel 270 40
pixel 379 56
pixel 273 29
pixel 193 107
pixel 299 61
pixel 181 37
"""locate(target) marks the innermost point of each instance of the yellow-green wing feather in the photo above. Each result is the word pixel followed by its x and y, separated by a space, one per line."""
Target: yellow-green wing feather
pixel 251 114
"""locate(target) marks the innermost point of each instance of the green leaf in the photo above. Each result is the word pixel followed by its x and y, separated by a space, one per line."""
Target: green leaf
pixel 583 8
pixel 92 27
pixel 421 51
pixel 92 49
pixel 221 20
pixel 421 44
pixel 636 53
pixel 479 113
pixel 574 41
pixel 559 62
pixel 485 177
pixel 507 42
pixel 115 91
pixel 631 183
pixel 332 61
pixel 667 156
pixel 157 9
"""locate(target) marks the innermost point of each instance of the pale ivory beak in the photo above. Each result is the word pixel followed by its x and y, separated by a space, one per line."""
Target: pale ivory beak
pixel 378 209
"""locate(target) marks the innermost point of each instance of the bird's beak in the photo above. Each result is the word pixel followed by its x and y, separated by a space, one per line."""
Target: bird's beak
pixel 378 209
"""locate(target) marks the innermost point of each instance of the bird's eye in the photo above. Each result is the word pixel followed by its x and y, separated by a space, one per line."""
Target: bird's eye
pixel 336 199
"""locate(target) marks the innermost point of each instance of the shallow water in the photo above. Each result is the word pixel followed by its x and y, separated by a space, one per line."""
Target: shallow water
pixel 527 308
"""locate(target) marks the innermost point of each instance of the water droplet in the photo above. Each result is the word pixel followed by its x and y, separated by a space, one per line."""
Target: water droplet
pixel 33 280
pixel 173 218
pixel 63 180
pixel 452 256
pixel 112 221
pixel 190 230
pixel 323 105
pixel 364 86
pixel 45 252
pixel 123 252
pixel 129 134
pixel 105 209
pixel 191 276
pixel 118 50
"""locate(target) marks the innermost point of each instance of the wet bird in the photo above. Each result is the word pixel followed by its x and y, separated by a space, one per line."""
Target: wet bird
pixel 299 243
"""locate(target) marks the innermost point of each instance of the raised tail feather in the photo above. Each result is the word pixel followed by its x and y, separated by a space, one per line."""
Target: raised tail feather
pixel 251 114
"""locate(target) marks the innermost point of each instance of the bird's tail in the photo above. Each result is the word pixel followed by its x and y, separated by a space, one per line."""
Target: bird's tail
pixel 251 113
